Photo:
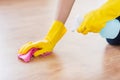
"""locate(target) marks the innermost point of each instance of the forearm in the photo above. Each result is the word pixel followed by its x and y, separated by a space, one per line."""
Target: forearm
pixel 110 10
pixel 64 9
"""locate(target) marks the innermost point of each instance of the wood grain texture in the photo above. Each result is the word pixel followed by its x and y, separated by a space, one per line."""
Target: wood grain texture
pixel 76 57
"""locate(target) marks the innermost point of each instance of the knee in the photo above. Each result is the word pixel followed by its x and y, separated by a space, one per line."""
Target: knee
pixel 113 42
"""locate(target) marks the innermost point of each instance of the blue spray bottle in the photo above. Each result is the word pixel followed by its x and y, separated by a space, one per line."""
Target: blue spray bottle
pixel 110 31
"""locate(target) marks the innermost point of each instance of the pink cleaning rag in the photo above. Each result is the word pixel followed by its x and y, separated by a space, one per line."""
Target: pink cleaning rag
pixel 28 56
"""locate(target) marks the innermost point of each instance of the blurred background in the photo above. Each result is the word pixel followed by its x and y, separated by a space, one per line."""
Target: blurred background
pixel 76 57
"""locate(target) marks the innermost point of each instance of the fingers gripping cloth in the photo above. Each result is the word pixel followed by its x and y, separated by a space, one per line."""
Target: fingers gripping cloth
pixel 27 57
pixel 43 47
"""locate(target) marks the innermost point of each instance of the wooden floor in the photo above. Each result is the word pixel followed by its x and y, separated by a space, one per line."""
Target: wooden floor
pixel 76 57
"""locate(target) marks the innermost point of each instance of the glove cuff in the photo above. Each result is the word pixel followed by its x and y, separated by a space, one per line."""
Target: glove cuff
pixel 56 32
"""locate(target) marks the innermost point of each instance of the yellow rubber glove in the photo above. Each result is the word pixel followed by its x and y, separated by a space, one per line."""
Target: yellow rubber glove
pixel 47 44
pixel 96 20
